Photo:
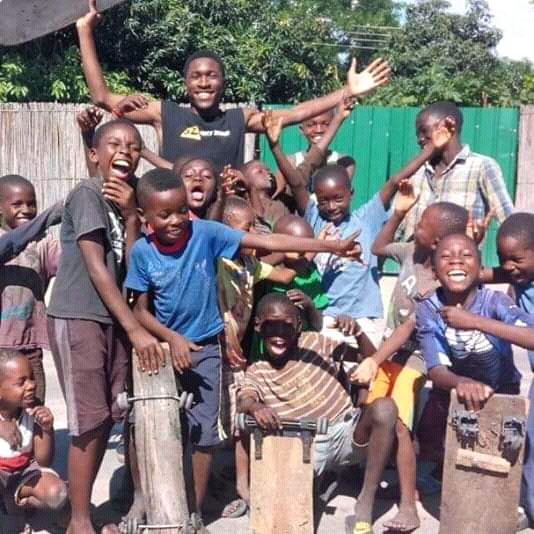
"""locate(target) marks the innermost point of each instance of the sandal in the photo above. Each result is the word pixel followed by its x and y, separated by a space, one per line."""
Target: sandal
pixel 362 527
pixel 237 508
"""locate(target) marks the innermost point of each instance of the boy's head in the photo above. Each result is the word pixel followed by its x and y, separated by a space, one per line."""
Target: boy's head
pixel 432 115
pixel 204 79
pixel 278 322
pixel 17 201
pixel 198 176
pixel 116 150
pixel 163 205
pixel 515 246
pixel 333 190
pixel 238 214
pixel 295 226
pixel 17 388
pixel 456 263
pixel 437 221
pixel 313 129
pixel 259 176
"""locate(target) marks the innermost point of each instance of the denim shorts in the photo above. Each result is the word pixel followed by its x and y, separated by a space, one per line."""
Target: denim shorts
pixel 336 448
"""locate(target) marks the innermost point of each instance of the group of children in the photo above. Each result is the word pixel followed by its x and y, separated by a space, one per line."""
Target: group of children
pixel 265 289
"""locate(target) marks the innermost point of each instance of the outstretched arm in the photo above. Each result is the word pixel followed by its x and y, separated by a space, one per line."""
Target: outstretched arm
pixel 149 113
pixel 358 85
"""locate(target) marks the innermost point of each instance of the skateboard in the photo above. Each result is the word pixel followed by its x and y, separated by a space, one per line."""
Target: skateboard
pixel 158 440
pixel 24 20
pixel 483 466
pixel 281 475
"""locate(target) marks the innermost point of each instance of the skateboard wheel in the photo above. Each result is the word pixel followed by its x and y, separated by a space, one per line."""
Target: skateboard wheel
pixel 188 401
pixel 122 400
pixel 132 525
pixel 322 425
pixel 240 421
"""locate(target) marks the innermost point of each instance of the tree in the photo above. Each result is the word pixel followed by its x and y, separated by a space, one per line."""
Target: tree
pixel 441 55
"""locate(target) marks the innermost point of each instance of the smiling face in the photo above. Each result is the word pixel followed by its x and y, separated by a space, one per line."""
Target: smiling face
pixel 17 388
pixel 167 214
pixel 279 326
pixel 333 198
pixel 313 129
pixel 456 264
pixel 200 184
pixel 204 83
pixel 117 151
pixel 17 205
pixel 516 259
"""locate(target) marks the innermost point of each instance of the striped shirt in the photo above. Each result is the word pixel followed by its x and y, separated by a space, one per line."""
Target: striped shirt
pixel 470 180
pixel 307 385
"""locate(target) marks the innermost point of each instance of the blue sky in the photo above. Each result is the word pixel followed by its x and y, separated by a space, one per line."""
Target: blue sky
pixel 515 18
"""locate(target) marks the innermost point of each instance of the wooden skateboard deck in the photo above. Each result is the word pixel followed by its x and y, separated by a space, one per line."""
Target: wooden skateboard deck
pixel 281 487
pixel 158 439
pixel 481 476
pixel 24 20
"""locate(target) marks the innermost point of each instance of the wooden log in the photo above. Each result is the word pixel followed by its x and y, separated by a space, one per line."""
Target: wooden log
pixel 158 440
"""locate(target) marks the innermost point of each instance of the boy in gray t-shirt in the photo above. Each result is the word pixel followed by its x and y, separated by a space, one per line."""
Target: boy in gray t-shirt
pixel 90 324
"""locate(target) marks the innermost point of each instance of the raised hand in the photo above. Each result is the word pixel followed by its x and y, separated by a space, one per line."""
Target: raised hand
pixel 123 194
pixel 42 416
pixel 476 229
pixel 405 198
pixel 373 76
pixel 91 18
pixel 89 119
pixel 129 103
pixel 273 126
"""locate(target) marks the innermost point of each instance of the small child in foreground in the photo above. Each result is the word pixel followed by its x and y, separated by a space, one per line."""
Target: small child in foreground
pixel 465 333
pixel 26 441
pixel 268 394
pixel 25 279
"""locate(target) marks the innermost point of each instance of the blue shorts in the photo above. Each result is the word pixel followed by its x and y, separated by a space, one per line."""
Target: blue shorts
pixel 203 380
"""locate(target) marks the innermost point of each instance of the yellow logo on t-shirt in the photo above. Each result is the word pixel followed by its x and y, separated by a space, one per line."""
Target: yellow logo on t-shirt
pixel 193 132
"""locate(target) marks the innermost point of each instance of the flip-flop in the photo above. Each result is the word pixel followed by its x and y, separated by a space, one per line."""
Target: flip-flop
pixel 362 527
pixel 235 509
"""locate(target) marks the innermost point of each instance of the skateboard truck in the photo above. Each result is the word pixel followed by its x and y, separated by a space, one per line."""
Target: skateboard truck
pixel 512 433
pixel 466 425
pixel 133 526
pixel 306 428
pixel 185 400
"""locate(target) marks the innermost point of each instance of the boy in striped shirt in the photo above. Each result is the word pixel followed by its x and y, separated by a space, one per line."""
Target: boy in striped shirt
pixel 293 383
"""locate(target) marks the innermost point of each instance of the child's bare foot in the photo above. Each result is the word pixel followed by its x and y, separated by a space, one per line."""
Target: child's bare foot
pixel 406 520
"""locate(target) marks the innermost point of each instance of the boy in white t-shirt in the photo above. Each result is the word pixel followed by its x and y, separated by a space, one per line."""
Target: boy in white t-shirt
pixel 26 441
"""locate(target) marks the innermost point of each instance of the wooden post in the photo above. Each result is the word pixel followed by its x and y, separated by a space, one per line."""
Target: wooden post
pixel 524 198
pixel 158 440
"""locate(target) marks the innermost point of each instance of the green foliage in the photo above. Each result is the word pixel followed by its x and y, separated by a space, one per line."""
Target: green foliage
pixel 441 55
pixel 279 51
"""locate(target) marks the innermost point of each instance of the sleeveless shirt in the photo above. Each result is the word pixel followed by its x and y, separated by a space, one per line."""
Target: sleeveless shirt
pixel 220 139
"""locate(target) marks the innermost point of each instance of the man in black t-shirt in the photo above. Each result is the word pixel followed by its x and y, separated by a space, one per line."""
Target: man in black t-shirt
pixel 205 130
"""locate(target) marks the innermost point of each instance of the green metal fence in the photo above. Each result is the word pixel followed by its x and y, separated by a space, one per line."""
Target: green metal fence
pixel 382 139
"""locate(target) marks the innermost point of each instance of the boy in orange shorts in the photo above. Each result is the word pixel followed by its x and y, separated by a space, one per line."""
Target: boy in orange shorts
pixel 397 369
